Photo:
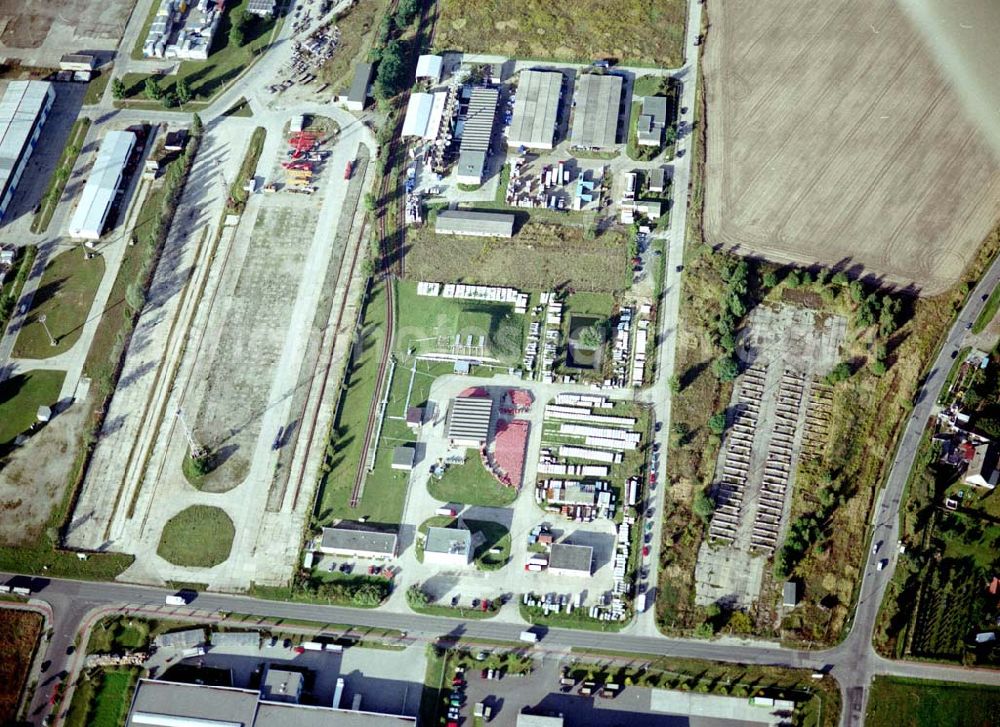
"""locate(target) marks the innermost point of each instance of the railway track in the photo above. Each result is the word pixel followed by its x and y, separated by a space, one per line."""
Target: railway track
pixel 391 252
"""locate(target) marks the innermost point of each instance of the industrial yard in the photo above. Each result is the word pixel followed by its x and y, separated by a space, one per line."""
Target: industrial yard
pixel 878 173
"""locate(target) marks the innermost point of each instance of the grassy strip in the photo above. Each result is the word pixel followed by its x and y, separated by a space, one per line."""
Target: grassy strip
pixel 335 589
pixel 579 619
pixel 900 701
pixel 95 88
pixel 237 192
pixel 989 311
pixel 57 183
pixel 417 602
pixel 102 697
pixel 10 292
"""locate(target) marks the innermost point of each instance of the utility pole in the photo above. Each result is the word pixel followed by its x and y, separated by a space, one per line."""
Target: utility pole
pixel 41 319
pixel 197 451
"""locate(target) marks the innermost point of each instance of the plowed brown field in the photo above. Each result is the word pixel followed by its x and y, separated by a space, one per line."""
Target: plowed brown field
pixel 833 138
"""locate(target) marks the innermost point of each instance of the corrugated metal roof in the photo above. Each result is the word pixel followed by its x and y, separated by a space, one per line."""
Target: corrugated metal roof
pixel 598 99
pixel 99 192
pixel 478 128
pixel 20 107
pixel 469 418
pixel 467 222
pixel 536 108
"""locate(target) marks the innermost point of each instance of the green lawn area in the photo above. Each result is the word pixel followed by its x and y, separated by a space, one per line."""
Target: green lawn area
pixel 494 534
pixel 989 311
pixel 102 698
pixel 20 398
pixel 67 160
pixel 206 78
pixel 429 324
pixel 898 702
pixel 471 484
pixel 64 297
pixel 198 537
pixel 95 88
pixel 10 291
pixel 385 489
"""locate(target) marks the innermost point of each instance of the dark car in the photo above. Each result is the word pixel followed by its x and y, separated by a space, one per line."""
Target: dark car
pixel 954 354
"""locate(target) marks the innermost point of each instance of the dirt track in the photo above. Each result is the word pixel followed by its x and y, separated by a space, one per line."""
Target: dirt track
pixel 832 138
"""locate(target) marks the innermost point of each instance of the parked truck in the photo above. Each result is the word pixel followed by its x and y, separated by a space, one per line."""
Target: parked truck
pixel 529 637
pixel 640 603
pixel 175 601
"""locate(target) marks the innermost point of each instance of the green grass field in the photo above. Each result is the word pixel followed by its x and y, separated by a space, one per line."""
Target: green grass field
pixel 20 398
pixel 471 484
pixel 897 702
pixel 64 296
pixel 198 537
pixel 205 78
pixel 429 324
pixel 102 698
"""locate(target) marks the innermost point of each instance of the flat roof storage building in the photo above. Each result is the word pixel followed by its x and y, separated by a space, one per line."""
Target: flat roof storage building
pixel 158 703
pixel 536 110
pixel 570 560
pixel 477 134
pixel 23 110
pixel 430 67
pixel 355 542
pixel 448 546
pixel 357 96
pixel 474 224
pixel 598 100
pixel 652 121
pixel 469 420
pixel 92 213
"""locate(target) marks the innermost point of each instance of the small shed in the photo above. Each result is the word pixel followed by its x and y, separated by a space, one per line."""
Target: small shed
pixel 790 594
pixel 403 457
pixel 414 417
pixel 175 140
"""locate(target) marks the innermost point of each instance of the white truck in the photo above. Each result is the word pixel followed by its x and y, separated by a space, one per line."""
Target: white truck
pixel 529 636
pixel 175 601
pixel 640 603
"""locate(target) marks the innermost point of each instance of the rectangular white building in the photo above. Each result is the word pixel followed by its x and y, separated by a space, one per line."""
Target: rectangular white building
pixel 95 202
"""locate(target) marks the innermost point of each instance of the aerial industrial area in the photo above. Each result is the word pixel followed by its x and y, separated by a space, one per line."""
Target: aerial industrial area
pixel 435 362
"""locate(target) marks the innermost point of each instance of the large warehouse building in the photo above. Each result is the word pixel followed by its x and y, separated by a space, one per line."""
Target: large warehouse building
pixel 23 110
pixel 536 110
pixel 474 224
pixel 172 704
pixel 598 103
pixel 469 420
pixel 571 560
pixel 424 113
pixel 477 133
pixel 99 193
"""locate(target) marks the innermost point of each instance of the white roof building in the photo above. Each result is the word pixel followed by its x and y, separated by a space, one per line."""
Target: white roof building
pixel 982 470
pixel 448 547
pixel 102 184
pixel 430 67
pixel 424 113
pixel 23 110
